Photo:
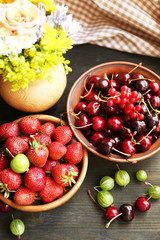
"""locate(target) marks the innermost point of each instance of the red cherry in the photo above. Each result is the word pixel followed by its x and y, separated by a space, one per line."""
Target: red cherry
pixel 102 84
pixel 111 212
pixel 80 107
pixel 154 86
pixel 142 204
pixel 114 84
pixel 4 207
pixel 90 96
pixel 98 123
pixel 144 143
pixel 92 80
pixel 83 121
pixel 93 108
pixel 96 137
pixel 155 101
pixel 114 123
pixel 128 147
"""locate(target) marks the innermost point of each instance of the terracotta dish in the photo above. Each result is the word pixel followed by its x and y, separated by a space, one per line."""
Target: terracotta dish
pixel 77 91
pixel 69 193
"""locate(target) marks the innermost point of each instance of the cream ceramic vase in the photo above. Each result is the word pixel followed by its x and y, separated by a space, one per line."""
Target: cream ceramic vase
pixel 40 95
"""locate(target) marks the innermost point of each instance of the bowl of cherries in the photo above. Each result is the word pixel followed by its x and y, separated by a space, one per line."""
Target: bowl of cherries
pixel 113 110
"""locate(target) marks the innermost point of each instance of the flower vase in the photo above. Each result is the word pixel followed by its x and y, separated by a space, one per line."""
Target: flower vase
pixel 39 96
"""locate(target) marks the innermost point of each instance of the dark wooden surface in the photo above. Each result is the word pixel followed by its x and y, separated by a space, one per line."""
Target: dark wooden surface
pixel 80 218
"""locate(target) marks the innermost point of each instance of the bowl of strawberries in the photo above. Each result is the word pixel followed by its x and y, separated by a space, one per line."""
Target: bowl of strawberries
pixel 42 165
pixel 113 110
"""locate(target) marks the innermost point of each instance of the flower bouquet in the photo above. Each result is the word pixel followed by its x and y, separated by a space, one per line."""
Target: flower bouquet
pixel 33 38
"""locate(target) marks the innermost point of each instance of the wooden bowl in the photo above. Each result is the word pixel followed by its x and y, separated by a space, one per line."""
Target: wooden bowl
pixel 69 194
pixel 77 91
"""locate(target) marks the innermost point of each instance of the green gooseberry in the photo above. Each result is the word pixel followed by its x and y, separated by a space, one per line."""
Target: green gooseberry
pixel 20 163
pixel 17 227
pixel 107 183
pixel 104 198
pixel 122 178
pixel 141 175
pixel 154 192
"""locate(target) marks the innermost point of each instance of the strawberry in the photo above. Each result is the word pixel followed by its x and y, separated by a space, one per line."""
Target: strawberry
pixel 29 125
pixel 65 174
pixel 47 128
pixel 24 196
pixel 56 150
pixel 16 145
pixel 74 153
pixel 50 164
pixel 9 180
pixel 41 138
pixel 63 134
pixel 51 191
pixel 25 138
pixel 35 179
pixel 7 130
pixel 37 154
pixel 4 161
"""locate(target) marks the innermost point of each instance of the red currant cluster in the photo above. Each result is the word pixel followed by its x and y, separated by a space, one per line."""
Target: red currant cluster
pixel 125 99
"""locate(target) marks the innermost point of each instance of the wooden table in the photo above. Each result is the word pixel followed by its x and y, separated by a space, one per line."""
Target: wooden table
pixel 80 218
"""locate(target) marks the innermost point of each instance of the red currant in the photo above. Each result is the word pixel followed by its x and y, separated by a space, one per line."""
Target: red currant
pixel 112 91
pixel 110 103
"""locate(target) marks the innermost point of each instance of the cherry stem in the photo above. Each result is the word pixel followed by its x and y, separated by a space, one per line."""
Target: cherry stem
pixel 142 100
pixel 89 192
pixel 108 224
pixel 76 114
pixel 87 125
pixel 154 127
pixel 106 77
pixel 85 84
pixel 138 65
pixel 135 79
pixel 125 154
pixel 147 183
pixel 155 110
pixel 89 91
pixel 146 92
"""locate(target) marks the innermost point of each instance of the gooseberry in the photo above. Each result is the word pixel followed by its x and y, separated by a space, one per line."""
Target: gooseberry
pixel 107 183
pixel 141 175
pixel 104 198
pixel 154 191
pixel 122 178
pixel 17 227
pixel 20 163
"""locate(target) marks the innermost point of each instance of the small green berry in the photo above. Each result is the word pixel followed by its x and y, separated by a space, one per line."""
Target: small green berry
pixel 154 192
pixel 107 183
pixel 141 175
pixel 17 227
pixel 122 178
pixel 104 198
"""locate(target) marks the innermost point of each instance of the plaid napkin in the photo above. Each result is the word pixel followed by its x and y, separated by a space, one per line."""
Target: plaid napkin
pixel 126 25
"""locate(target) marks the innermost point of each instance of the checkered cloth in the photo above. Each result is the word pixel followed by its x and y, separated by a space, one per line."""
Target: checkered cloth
pixel 126 25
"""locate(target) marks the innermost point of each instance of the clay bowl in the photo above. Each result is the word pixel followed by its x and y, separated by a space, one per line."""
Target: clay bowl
pixel 39 207
pixel 77 91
